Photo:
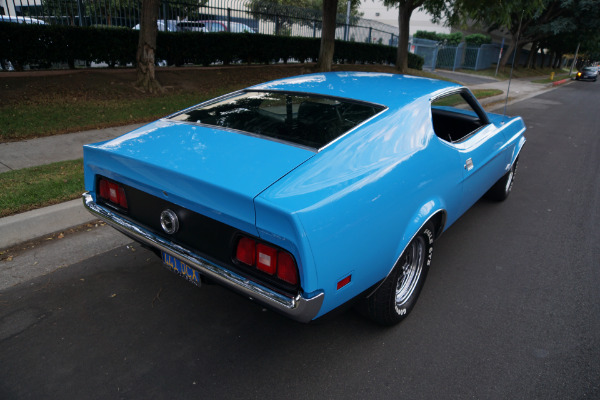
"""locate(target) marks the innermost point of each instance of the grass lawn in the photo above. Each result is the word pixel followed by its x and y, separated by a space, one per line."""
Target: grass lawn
pixel 457 99
pixel 39 104
pixel 35 120
pixel 504 74
pixel 30 188
pixel 557 77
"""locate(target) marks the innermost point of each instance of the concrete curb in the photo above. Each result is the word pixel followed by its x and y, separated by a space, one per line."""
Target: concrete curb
pixel 561 82
pixel 29 225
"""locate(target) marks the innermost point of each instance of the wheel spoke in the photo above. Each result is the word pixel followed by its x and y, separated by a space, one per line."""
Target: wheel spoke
pixel 411 271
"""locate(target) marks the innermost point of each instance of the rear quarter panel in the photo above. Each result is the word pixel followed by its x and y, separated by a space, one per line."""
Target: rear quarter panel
pixel 360 201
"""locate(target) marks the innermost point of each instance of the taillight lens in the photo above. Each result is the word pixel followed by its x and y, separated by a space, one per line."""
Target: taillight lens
pixel 286 268
pixel 268 259
pixel 246 250
pixel 112 192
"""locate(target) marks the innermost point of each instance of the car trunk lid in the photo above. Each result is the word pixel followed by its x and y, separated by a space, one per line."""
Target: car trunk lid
pixel 212 171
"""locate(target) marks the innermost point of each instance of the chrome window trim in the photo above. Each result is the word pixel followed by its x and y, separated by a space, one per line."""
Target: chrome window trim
pixel 168 118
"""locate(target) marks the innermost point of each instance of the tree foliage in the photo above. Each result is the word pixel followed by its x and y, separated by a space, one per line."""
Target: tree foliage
pixel 477 39
pixel 539 20
pixel 285 13
pixel 450 39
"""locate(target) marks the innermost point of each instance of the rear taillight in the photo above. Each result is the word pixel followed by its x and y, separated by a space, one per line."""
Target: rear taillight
pixel 268 259
pixel 246 251
pixel 112 192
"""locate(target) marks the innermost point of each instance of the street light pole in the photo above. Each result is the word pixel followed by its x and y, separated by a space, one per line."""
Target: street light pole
pixel 347 33
pixel 574 60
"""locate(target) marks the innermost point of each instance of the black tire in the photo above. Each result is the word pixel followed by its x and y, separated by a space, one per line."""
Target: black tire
pixel 397 295
pixel 502 188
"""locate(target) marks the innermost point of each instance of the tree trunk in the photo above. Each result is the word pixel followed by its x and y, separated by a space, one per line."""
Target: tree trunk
pixel 519 52
pixel 405 10
pixel 327 36
pixel 532 58
pixel 543 61
pixel 559 60
pixel 146 78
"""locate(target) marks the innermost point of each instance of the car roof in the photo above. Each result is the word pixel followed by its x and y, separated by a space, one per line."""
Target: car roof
pixel 391 90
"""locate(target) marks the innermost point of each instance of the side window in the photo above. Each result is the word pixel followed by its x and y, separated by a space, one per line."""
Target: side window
pixel 454 118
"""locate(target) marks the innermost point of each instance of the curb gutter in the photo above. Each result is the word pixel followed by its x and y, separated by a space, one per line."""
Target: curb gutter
pixel 30 225
pixel 561 82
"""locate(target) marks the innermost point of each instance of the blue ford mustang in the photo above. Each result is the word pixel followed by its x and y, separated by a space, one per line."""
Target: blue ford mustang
pixel 309 192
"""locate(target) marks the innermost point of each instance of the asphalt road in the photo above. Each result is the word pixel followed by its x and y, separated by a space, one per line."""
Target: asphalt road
pixel 510 309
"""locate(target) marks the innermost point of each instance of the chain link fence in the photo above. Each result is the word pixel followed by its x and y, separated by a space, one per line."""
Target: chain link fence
pixel 438 55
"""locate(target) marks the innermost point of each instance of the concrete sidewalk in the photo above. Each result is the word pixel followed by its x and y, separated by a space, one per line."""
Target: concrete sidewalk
pixel 46 150
pixel 29 225
pixel 16 155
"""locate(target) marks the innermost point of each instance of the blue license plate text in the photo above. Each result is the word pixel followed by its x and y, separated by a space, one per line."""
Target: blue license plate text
pixel 181 269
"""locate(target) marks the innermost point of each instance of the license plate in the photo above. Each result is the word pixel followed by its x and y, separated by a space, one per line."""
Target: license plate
pixel 181 269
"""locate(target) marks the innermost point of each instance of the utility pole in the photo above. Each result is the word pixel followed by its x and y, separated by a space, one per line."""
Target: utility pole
pixel 574 60
pixel 347 32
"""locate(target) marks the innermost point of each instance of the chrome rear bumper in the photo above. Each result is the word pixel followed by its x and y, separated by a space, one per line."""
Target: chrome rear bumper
pixel 298 308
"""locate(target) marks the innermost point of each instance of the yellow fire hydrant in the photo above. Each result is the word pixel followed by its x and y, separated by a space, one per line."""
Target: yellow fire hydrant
pixel 551 76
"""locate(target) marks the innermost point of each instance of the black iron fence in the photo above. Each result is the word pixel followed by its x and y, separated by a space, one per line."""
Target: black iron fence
pixel 259 16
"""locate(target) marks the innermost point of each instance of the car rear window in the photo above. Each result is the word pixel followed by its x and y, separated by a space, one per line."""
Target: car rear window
pixel 299 118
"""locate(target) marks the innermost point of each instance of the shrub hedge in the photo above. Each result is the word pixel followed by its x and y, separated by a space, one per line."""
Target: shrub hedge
pixel 450 39
pixel 45 44
pixel 477 39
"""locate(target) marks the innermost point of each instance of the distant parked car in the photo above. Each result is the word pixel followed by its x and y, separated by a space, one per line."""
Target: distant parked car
pixel 306 193
pixel 221 26
pixel 21 20
pixel 192 26
pixel 238 27
pixel 171 25
pixel 201 26
pixel 587 73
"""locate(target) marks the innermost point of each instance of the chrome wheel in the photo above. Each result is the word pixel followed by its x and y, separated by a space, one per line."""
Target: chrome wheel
pixel 509 181
pixel 396 296
pixel 410 271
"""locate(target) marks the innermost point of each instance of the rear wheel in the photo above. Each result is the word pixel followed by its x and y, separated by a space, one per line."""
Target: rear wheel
pixel 502 188
pixel 397 295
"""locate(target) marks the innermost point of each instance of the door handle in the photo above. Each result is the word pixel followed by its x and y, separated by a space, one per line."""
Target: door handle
pixel 469 164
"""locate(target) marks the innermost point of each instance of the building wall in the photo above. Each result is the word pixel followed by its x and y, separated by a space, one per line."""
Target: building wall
pixel 419 21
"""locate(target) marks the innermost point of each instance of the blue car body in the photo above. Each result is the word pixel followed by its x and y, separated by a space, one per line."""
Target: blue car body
pixel 345 211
